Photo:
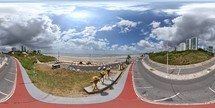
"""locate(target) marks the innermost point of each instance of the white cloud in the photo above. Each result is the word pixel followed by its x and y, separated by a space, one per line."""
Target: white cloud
pixel 115 5
pixel 144 43
pixel 132 6
pixel 29 27
pixel 167 21
pixel 149 46
pixel 89 31
pixel 60 9
pixel 124 48
pixel 163 33
pixel 155 24
pixel 203 9
pixel 126 25
pixel 30 24
pixel 194 20
pixel 82 40
pixel 107 28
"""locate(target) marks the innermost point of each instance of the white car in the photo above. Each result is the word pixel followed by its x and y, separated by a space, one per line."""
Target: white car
pixel 99 68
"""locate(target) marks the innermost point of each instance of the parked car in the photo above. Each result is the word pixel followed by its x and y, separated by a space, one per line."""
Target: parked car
pixel 71 68
pixel 55 66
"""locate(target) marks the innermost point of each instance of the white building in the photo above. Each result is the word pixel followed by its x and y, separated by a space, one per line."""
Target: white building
pixel 192 43
pixel 189 44
pixel 210 49
pixel 181 47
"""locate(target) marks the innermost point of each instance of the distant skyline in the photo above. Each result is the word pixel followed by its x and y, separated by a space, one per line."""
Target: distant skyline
pixel 105 27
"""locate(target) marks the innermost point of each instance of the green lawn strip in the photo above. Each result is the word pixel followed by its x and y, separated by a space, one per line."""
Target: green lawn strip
pixel 181 57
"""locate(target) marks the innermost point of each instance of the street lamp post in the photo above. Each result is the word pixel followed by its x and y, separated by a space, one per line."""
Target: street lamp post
pixel 58 56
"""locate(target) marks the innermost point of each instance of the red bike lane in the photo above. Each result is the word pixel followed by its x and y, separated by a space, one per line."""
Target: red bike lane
pixel 127 99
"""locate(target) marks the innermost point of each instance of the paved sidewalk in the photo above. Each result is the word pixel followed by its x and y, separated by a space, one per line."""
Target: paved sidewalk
pixel 48 98
pixel 178 76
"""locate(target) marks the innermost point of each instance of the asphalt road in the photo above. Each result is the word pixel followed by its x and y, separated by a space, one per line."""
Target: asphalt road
pixel 157 89
pixel 179 71
pixel 7 78
pixel 88 68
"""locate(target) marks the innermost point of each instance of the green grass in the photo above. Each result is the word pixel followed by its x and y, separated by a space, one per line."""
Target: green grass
pixel 28 60
pixel 43 58
pixel 63 82
pixel 151 69
pixel 181 57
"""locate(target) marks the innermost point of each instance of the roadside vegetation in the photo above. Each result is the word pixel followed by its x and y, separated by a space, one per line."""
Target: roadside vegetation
pixel 58 82
pixel 28 60
pixel 181 57
pixel 61 82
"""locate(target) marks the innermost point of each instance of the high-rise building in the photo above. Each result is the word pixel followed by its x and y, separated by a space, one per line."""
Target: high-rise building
pixel 181 47
pixel 23 48
pixel 192 43
pixel 210 49
pixel 188 44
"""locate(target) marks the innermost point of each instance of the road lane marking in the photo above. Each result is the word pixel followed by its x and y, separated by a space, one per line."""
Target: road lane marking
pixel 138 78
pixel 8 80
pixel 3 93
pixel 145 87
pixel 166 98
pixel 179 71
pixel 12 73
pixel 148 87
pixel 211 89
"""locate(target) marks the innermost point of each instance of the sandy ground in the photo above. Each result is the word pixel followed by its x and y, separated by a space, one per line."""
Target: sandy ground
pixel 94 60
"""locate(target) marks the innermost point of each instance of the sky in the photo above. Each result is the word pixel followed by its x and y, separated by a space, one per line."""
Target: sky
pixel 104 27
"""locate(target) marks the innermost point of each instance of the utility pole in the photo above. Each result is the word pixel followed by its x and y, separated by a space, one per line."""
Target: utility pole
pixel 167 62
pixel 89 57
pixel 58 56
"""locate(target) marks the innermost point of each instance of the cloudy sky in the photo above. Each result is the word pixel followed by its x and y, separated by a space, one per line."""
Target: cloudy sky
pixel 104 27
